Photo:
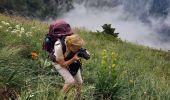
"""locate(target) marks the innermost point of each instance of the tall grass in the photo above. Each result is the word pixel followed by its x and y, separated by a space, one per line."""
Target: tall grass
pixel 117 69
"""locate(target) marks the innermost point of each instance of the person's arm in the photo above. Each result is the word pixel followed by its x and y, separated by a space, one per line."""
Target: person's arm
pixel 58 52
pixel 64 63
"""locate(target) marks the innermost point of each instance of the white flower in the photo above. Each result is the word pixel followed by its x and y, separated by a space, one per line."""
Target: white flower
pixel 17 31
pixel 32 27
pixel 3 22
pixel 31 95
pixel 19 35
pixel 29 34
pixel 7 24
pixel 17 27
pixel 13 31
pixel 22 29
pixel 10 28
pixel 0 27
pixel 91 87
pixel 6 30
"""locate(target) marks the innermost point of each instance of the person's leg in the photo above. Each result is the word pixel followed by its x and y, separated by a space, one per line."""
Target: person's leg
pixel 78 84
pixel 69 80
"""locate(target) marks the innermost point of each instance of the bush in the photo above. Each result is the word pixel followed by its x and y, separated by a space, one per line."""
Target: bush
pixel 36 8
pixel 107 29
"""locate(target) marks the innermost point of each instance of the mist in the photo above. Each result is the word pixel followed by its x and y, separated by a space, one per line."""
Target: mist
pixel 133 25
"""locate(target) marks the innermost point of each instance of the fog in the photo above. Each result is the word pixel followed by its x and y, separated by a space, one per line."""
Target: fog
pixel 132 26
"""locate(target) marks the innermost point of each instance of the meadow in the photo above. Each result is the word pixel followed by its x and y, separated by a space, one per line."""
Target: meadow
pixel 117 70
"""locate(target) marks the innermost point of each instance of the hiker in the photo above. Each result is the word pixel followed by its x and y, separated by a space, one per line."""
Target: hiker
pixel 66 53
pixel 73 44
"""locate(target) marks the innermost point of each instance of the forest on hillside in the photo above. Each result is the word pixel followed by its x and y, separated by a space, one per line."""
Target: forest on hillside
pixel 42 9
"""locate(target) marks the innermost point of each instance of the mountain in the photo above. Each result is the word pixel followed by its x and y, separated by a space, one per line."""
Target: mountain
pixel 41 9
pixel 117 69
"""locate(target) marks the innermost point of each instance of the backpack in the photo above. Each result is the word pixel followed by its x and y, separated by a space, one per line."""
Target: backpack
pixel 59 29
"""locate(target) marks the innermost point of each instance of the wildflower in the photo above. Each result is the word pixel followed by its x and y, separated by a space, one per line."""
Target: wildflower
pixel 29 34
pixel 145 93
pixel 104 53
pixel 114 56
pixel 6 30
pixel 21 32
pixel 22 29
pixel 31 95
pixel 17 27
pixel 91 87
pixel 32 27
pixel 13 31
pixel 34 55
pixel 7 24
pixel 113 65
pixel 104 57
pixel 10 28
pixel 0 27
pixel 131 82
pixel 103 61
pixel 17 31
pixel 3 22
pixel 20 35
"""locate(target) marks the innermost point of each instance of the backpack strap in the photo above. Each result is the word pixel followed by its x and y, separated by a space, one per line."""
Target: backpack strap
pixel 63 44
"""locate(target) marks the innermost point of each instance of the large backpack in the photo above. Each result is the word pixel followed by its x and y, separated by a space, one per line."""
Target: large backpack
pixel 57 30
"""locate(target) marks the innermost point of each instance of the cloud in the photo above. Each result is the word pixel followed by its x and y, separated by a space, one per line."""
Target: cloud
pixel 129 27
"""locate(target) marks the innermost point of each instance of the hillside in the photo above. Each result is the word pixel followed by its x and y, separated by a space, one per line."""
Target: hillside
pixel 39 9
pixel 117 70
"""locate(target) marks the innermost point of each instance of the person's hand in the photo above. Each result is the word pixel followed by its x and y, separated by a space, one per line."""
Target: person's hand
pixel 75 58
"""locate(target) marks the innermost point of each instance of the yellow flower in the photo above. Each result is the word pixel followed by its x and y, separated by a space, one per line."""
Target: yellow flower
pixel 104 52
pixel 113 65
pixel 103 62
pixel 131 82
pixel 114 56
pixel 34 55
pixel 104 56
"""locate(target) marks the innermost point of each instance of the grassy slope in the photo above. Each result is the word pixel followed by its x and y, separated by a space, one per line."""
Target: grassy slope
pixel 143 73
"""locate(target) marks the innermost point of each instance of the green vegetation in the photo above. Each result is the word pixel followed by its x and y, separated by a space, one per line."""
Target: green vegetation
pixel 117 70
pixel 41 9
pixel 107 29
